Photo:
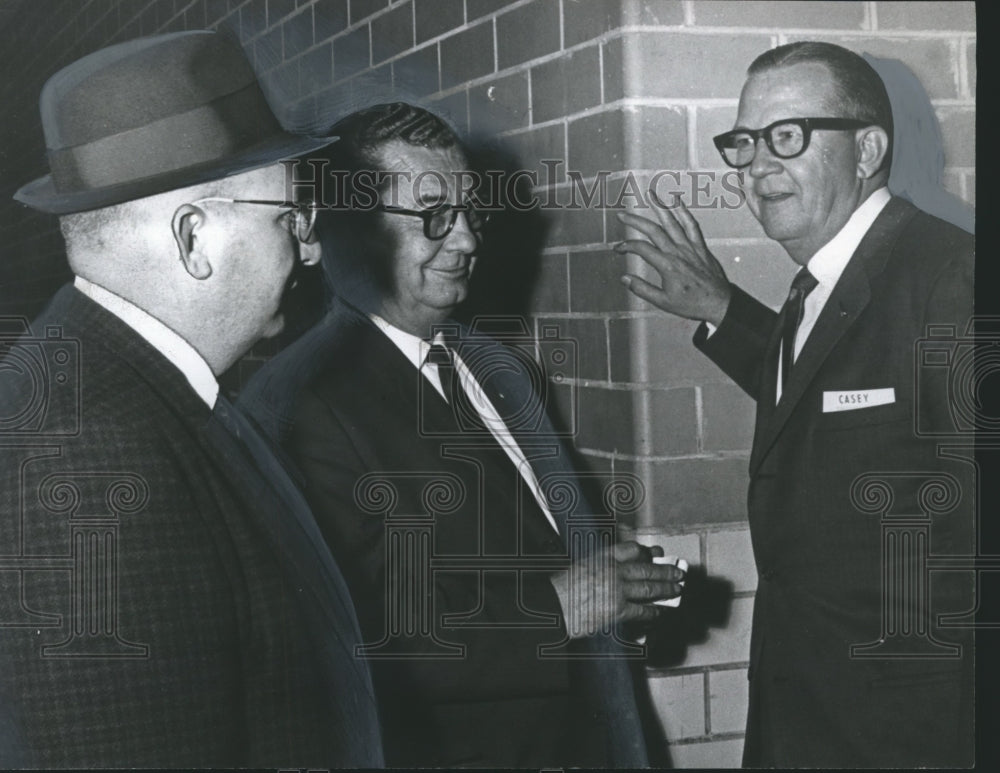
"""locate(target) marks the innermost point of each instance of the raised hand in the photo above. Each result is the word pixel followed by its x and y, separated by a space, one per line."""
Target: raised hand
pixel 692 283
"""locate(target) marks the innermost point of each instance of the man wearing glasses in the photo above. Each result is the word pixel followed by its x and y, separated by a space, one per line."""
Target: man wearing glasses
pixel 850 664
pixel 168 600
pixel 405 431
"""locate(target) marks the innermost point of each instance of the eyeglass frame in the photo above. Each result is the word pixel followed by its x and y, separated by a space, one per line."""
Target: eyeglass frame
pixel 305 209
pixel 428 214
pixel 807 125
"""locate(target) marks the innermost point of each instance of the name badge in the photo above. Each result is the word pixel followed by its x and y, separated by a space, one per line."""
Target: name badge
pixel 854 399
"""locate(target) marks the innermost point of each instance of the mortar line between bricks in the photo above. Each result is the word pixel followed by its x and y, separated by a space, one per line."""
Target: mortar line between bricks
pixel 562 25
pixel 371 51
pixel 707 703
pixel 283 19
pixel 604 38
pixel 699 412
pixel 464 27
pixel 701 531
pixel 626 457
pixel 691 126
pixel 652 314
pixel 871 12
pixel 707 739
pixel 569 283
pixel 666 102
pixel 600 69
pixel 413 24
pixel 689 19
pixel 437 56
pixel 191 4
pixel 963 70
pixel 496 53
pixel 734 665
pixel 626 102
pixel 513 69
pixel 607 340
pixel 795 31
pixel 528 79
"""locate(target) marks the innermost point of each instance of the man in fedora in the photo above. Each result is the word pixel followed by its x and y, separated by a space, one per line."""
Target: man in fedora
pixel 167 599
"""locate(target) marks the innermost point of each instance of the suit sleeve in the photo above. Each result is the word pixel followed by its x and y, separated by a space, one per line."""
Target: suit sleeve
pixel 948 306
pixel 738 345
pixel 332 458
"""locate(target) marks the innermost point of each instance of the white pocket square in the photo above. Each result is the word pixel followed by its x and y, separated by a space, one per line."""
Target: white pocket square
pixel 855 399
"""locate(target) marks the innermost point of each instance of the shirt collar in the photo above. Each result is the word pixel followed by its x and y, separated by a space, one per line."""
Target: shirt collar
pixel 413 347
pixel 180 353
pixel 832 258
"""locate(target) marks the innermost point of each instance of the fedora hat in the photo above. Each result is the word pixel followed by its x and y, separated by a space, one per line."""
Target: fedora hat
pixel 151 115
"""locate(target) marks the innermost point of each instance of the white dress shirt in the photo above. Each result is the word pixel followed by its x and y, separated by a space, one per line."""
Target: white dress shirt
pixel 829 263
pixel 180 353
pixel 415 349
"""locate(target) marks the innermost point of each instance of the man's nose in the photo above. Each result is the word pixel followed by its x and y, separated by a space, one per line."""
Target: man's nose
pixel 764 161
pixel 462 238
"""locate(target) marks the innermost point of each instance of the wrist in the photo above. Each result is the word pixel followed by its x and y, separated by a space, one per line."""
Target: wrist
pixel 720 306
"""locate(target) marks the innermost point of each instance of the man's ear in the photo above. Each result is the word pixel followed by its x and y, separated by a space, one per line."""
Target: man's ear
pixel 873 144
pixel 310 252
pixel 186 226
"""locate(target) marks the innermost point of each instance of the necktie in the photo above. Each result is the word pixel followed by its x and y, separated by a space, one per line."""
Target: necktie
pixel 803 284
pixel 440 356
pixel 465 419
pixel 463 409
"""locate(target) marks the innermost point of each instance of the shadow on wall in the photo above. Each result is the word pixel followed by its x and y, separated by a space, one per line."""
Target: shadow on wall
pixel 918 148
pixel 509 256
pixel 707 605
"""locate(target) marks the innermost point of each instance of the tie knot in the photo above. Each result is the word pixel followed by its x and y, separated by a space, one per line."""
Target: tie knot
pixel 803 283
pixel 439 355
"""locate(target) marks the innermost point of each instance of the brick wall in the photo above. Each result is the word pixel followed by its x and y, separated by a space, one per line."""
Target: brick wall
pixel 600 86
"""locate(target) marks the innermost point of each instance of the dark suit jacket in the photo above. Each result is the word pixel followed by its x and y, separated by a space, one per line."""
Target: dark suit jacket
pixel 818 549
pixel 360 409
pixel 161 605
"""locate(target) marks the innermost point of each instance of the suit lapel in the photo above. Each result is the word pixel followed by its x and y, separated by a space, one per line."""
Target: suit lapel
pixel 522 410
pixel 283 514
pixel 845 305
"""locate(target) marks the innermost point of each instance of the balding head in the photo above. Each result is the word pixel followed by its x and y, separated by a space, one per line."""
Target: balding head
pixel 857 90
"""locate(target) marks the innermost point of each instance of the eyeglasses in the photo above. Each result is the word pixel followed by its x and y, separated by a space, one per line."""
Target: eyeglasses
pixel 304 213
pixel 786 138
pixel 439 221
